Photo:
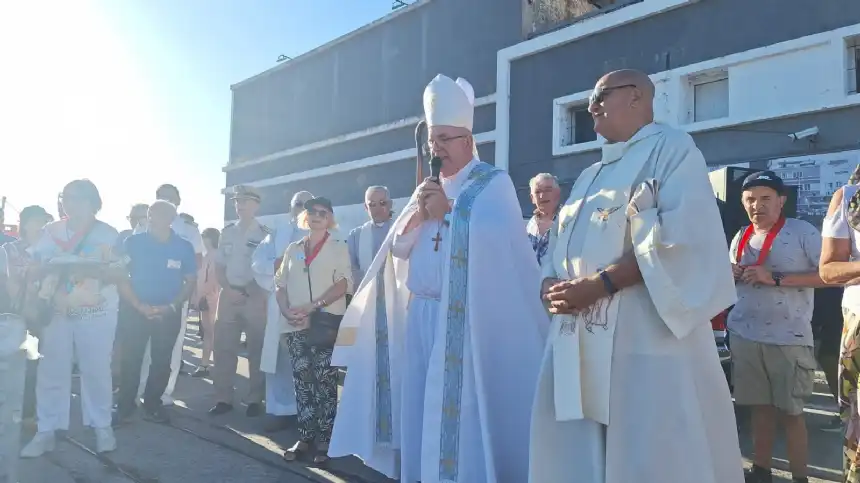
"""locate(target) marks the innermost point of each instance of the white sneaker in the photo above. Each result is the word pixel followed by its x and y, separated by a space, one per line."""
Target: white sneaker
pixel 105 440
pixel 41 443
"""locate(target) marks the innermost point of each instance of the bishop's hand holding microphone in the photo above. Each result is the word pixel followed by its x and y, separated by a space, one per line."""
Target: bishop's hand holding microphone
pixel 431 196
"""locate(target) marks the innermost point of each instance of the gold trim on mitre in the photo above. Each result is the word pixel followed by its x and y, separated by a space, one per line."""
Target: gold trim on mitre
pixel 449 103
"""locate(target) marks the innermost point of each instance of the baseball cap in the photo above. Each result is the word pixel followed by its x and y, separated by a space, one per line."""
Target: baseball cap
pixel 320 201
pixel 768 179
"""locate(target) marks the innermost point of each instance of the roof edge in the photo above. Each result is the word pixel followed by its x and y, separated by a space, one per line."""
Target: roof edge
pixel 332 43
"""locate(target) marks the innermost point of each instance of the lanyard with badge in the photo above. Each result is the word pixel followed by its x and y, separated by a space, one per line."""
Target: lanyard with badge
pixel 766 246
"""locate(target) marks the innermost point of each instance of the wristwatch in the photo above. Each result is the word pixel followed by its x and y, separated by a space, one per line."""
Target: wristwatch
pixel 777 278
pixel 610 287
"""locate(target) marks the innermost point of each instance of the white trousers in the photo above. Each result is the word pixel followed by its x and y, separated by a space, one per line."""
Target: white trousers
pixel 421 327
pixel 90 342
pixel 280 388
pixel 175 362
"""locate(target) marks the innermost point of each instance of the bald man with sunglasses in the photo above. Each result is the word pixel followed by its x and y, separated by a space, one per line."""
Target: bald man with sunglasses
pixel 631 387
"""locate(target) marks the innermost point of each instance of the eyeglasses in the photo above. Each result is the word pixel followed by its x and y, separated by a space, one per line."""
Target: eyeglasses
pixel 599 95
pixel 374 204
pixel 319 213
pixel 444 140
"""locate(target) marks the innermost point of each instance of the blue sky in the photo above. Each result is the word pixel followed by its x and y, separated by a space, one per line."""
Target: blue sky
pixel 134 93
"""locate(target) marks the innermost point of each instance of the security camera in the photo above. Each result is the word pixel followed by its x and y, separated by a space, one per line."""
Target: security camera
pixel 806 133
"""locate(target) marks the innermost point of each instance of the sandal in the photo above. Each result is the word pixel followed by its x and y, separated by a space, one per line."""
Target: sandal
pixel 296 451
pixel 322 454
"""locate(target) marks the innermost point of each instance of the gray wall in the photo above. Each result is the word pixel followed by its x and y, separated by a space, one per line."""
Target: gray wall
pixel 385 142
pixel 348 187
pixel 373 78
pixel 685 36
pixel 839 132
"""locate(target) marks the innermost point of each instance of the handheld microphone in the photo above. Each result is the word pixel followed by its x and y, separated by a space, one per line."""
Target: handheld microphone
pixel 435 168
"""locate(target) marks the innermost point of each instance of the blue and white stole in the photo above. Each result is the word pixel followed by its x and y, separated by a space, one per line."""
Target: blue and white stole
pixel 457 321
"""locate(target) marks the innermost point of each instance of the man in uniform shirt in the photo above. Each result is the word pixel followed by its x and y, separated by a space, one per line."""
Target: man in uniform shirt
pixel 365 240
pixel 191 234
pixel 241 306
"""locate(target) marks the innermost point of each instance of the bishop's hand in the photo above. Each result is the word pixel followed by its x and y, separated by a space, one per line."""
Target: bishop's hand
pixel 574 296
pixel 432 200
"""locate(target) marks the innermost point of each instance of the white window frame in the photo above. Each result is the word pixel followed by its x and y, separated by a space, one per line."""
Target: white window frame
pixel 674 84
pixel 562 121
pixel 700 78
pixel 852 64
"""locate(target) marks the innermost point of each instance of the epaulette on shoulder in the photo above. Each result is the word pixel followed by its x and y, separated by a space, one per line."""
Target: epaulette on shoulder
pixel 230 225
pixel 266 229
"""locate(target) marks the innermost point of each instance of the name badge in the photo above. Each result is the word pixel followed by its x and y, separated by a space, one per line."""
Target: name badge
pixel 174 264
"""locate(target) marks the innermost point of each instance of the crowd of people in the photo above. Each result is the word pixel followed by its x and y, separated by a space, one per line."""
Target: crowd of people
pixel 576 348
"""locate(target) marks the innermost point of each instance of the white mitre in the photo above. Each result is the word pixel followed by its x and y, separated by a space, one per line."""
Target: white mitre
pixel 449 103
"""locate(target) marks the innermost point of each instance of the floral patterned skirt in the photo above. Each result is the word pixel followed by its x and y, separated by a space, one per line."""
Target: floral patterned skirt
pixel 849 379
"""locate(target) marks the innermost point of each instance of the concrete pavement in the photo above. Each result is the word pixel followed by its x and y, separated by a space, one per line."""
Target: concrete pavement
pixel 197 448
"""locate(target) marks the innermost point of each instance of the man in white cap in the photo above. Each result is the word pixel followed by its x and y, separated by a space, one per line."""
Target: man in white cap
pixel 449 379
pixel 275 360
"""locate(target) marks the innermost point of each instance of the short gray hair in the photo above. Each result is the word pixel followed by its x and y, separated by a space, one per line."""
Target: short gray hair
pixel 543 177
pixel 162 204
pixel 372 189
pixel 301 197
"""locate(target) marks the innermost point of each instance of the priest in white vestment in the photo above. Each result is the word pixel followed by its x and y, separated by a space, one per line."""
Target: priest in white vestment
pixel 366 240
pixel 275 360
pixel 443 339
pixel 631 388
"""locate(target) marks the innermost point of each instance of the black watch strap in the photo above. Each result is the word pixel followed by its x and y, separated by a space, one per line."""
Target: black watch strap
pixel 610 287
pixel 777 278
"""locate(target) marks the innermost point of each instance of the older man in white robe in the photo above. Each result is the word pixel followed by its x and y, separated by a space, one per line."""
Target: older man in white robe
pixel 631 387
pixel 275 360
pixel 447 380
pixel 366 240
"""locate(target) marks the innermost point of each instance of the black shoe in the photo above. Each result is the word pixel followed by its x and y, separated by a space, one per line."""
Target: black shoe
pixel 220 408
pixel 157 415
pixel 123 416
pixel 834 425
pixel 279 423
pixel 757 474
pixel 254 410
pixel 201 371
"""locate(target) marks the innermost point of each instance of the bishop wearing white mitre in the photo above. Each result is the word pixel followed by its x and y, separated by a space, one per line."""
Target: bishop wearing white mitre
pixel 274 360
pixel 631 388
pixel 447 324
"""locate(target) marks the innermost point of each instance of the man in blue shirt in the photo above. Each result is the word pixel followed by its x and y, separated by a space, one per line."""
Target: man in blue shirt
pixel 162 273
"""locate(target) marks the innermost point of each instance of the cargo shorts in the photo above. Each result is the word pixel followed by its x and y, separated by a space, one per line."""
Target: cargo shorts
pixel 772 375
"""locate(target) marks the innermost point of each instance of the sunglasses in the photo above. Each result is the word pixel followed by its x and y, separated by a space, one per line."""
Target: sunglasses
pixel 599 95
pixel 320 213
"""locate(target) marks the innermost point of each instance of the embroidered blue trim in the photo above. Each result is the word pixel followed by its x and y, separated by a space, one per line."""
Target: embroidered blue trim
pixel 383 372
pixel 457 322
